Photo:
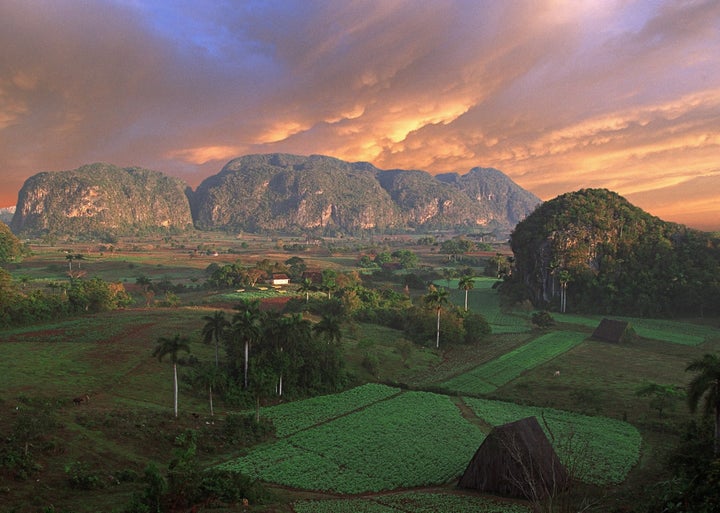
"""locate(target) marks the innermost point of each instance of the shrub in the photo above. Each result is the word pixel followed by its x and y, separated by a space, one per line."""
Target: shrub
pixel 542 319
pixel 80 477
pixel 242 429
pixel 371 363
pixel 231 487
pixel 476 328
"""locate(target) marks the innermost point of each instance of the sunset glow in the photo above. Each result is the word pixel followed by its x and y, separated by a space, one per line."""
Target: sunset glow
pixel 558 95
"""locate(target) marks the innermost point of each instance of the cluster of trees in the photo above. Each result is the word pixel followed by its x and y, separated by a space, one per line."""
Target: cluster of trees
pixel 591 250
pixel 266 353
pixel 11 249
pixel 425 321
pixel 403 258
pixel 238 275
pixel 695 463
pixel 18 307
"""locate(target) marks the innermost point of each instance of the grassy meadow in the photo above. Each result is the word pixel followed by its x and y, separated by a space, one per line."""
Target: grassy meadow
pixel 395 440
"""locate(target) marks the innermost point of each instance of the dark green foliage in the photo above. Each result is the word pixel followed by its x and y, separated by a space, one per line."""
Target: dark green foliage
pixel 615 258
pixel 456 247
pixel 231 487
pixel 695 483
pixel 661 396
pixel 244 430
pixel 497 266
pixel 81 296
pixel 476 327
pixel 81 477
pixel 421 326
pixel 542 319
pixel 11 249
pixel 371 363
pixel 95 295
pixel 33 426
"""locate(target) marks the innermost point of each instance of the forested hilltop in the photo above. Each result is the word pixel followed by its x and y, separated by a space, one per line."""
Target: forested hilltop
pixel 327 195
pixel 593 251
pixel 100 201
pixel 316 195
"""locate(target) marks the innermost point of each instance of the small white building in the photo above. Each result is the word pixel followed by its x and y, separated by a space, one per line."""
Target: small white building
pixel 279 279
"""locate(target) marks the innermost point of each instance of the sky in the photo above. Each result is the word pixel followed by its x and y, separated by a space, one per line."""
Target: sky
pixel 559 95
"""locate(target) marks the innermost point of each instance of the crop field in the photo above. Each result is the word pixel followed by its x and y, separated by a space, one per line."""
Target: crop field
pixel 417 502
pixel 483 299
pixel 289 418
pixel 602 450
pixel 72 354
pixel 413 439
pixel 419 439
pixel 675 332
pixel 496 373
pixel 376 448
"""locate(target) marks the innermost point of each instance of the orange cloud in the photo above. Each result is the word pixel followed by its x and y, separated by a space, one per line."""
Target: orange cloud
pixel 205 154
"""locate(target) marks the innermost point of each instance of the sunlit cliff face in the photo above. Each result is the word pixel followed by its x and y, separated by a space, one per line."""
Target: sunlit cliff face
pixel 559 95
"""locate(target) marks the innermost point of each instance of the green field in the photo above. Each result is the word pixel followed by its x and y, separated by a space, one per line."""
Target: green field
pixel 394 440
pixel 419 439
pixel 496 373
pixel 417 502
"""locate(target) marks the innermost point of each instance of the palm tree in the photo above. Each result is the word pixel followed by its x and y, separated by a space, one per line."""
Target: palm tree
pixel 466 283
pixel 436 298
pixel 328 328
pixel 706 383
pixel 172 346
pixel 282 333
pixel 564 277
pixel 306 286
pixel 214 328
pixel 212 377
pixel 246 327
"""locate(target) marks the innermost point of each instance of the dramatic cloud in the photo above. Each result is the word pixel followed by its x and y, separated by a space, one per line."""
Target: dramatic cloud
pixel 560 95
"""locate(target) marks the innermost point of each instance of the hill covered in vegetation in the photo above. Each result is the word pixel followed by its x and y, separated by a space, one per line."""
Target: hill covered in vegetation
pixel 290 192
pixel 593 251
pixel 98 200
pixel 276 192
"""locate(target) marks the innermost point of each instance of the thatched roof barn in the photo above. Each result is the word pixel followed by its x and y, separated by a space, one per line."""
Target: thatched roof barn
pixel 612 330
pixel 516 460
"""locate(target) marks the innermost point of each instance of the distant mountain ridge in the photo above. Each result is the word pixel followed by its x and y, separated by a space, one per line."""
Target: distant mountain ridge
pixel 99 199
pixel 271 192
pixel 286 192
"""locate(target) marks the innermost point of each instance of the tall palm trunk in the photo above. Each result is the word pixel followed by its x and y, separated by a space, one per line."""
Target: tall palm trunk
pixel 212 411
pixel 717 432
pixel 437 341
pixel 175 387
pixel 245 363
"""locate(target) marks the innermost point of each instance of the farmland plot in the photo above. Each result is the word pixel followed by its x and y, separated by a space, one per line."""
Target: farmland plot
pixel 292 417
pixel 417 502
pixel 602 450
pixel 414 439
pixel 496 373
pixel 484 299
pixel 675 332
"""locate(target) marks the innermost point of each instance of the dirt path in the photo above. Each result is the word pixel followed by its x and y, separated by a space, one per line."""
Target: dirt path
pixel 469 415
